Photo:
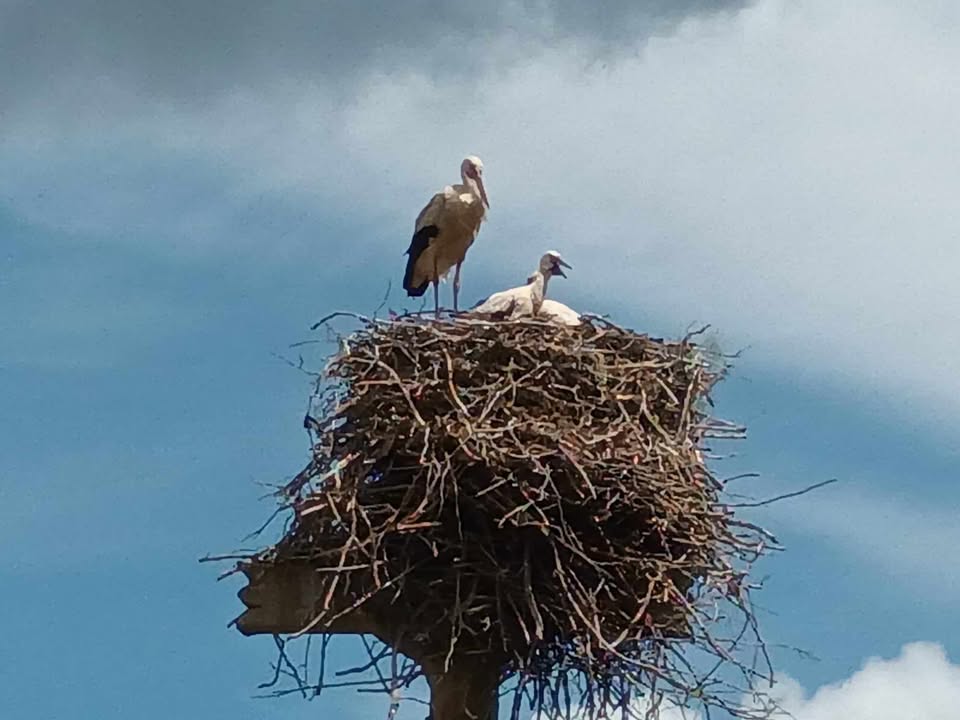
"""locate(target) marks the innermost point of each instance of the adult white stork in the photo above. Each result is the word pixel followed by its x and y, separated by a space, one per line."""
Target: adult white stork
pixel 444 231
pixel 525 300
pixel 557 312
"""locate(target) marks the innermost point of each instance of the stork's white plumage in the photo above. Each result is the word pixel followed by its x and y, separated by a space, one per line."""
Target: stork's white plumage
pixel 444 231
pixel 526 300
pixel 557 312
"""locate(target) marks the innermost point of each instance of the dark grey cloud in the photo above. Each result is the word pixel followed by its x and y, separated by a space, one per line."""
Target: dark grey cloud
pixel 192 50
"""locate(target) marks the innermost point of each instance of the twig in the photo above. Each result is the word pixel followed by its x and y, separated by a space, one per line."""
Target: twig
pixel 785 496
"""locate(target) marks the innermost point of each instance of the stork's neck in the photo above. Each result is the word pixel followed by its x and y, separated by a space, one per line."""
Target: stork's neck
pixel 471 185
pixel 538 289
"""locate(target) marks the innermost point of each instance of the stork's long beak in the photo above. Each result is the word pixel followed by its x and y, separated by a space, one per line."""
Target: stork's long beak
pixel 561 261
pixel 483 192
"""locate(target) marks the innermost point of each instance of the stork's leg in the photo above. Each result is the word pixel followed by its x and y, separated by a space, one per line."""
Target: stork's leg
pixel 456 286
pixel 436 289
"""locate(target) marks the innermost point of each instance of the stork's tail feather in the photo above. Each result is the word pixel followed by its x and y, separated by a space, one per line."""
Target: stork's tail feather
pixel 420 242
pixel 417 291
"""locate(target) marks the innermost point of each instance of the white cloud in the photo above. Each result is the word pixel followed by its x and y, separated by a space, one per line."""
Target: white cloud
pixel 920 684
pixel 787 173
pixel 637 710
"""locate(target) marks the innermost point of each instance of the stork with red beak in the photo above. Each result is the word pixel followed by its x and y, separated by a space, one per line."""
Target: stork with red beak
pixel 444 231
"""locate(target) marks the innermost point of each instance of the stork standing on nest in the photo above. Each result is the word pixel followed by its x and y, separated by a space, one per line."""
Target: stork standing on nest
pixel 525 300
pixel 444 231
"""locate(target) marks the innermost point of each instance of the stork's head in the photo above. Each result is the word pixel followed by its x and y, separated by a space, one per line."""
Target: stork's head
pixel 552 264
pixel 471 170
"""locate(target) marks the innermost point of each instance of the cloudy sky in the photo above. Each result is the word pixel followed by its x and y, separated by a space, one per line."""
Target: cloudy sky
pixel 185 187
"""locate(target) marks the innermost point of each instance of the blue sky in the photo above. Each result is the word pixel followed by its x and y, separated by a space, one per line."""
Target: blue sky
pixel 175 214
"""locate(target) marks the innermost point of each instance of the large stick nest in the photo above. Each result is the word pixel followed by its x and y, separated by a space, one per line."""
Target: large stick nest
pixel 531 491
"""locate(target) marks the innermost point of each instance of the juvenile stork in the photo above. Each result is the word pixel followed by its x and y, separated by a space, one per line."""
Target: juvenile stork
pixel 444 231
pixel 557 312
pixel 526 300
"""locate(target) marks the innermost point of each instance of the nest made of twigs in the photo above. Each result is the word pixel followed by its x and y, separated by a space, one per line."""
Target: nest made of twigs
pixel 527 490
